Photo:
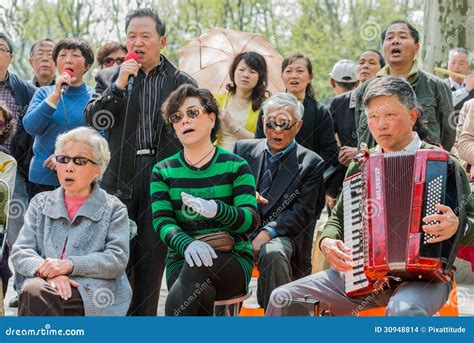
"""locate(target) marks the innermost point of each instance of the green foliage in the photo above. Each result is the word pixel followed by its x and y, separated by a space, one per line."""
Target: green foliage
pixel 325 30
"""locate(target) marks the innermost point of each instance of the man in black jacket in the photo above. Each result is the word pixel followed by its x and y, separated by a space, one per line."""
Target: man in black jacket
pixel 129 113
pixel 289 181
pixel 342 108
pixel 17 94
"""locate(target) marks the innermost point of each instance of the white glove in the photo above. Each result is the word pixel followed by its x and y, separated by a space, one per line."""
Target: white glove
pixel 206 208
pixel 199 253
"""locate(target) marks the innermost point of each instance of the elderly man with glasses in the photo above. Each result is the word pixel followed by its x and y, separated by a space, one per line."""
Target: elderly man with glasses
pixel 289 178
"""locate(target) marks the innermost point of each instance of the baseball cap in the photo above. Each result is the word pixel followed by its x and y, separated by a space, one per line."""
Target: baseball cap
pixel 344 71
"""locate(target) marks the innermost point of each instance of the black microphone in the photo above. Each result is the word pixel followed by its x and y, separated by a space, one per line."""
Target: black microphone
pixel 131 55
pixel 65 87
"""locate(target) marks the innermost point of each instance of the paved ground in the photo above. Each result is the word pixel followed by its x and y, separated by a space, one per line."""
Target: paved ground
pixel 465 299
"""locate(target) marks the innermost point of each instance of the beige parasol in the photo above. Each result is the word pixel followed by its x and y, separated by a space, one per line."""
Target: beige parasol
pixel 208 57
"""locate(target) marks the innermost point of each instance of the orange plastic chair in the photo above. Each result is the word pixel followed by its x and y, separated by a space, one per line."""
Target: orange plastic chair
pixel 252 311
pixel 449 309
pixel 255 272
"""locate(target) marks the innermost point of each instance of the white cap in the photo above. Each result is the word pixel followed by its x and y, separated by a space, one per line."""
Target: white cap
pixel 344 71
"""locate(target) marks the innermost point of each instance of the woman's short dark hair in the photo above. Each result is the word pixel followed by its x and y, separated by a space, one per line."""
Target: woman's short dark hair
pixel 8 128
pixel 292 58
pixel 146 12
pixel 176 99
pixel 107 49
pixel 256 62
pixel 75 43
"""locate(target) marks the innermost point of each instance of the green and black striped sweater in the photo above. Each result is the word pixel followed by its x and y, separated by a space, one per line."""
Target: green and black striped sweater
pixel 227 179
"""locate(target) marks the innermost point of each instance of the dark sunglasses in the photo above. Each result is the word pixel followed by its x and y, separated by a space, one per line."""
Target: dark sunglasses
pixel 283 125
pixel 77 160
pixel 109 61
pixel 192 113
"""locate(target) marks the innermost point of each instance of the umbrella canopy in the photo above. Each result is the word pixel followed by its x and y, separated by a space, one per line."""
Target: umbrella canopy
pixel 207 58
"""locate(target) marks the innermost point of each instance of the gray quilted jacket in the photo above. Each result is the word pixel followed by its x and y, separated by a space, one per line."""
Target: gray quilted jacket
pixel 97 242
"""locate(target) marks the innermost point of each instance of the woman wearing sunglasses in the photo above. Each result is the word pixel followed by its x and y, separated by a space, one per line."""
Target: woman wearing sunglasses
pixel 241 104
pixel 111 54
pixel 74 245
pixel 202 190
pixel 57 109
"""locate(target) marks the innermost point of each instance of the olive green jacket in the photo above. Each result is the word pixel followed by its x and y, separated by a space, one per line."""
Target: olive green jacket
pixel 334 227
pixel 435 99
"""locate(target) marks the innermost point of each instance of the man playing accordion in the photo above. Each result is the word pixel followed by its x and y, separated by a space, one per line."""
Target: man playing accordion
pixel 392 111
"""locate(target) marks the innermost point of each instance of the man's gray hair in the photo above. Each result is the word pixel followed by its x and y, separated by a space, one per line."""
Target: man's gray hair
pixel 391 86
pixel 460 51
pixel 282 101
pixel 89 136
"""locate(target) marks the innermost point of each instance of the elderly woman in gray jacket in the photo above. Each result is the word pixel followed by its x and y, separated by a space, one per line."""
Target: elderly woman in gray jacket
pixel 74 245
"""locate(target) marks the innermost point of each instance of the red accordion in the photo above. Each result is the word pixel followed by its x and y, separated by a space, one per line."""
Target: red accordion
pixel 383 210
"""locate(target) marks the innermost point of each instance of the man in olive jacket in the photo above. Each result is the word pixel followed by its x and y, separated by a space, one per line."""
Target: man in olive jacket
pixel 392 112
pixel 129 113
pixel 400 46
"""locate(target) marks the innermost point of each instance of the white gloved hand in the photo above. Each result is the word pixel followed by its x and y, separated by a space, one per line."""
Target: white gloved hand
pixel 199 253
pixel 206 208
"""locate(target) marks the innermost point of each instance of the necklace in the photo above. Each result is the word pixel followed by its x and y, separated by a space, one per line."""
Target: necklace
pixel 195 165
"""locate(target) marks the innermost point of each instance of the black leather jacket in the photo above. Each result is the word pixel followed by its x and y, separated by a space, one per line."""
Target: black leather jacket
pixel 107 111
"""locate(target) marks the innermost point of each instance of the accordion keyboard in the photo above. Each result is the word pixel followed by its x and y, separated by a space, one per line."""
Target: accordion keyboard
pixel 355 278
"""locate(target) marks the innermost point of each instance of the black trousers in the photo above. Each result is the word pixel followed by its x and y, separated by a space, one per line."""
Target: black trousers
pixel 147 252
pixel 194 290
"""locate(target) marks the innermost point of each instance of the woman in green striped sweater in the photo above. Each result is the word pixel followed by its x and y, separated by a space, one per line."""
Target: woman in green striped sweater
pixel 202 189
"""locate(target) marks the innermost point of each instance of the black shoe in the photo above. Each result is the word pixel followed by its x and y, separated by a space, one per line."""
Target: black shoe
pixel 14 302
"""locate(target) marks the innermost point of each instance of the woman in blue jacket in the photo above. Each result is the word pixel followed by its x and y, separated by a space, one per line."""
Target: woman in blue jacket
pixel 57 109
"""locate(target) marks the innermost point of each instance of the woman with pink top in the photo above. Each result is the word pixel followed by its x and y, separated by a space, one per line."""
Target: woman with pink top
pixel 74 245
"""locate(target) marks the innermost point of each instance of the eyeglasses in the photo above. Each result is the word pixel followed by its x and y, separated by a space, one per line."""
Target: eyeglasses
pixel 109 61
pixel 77 160
pixel 4 49
pixel 192 113
pixel 282 124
